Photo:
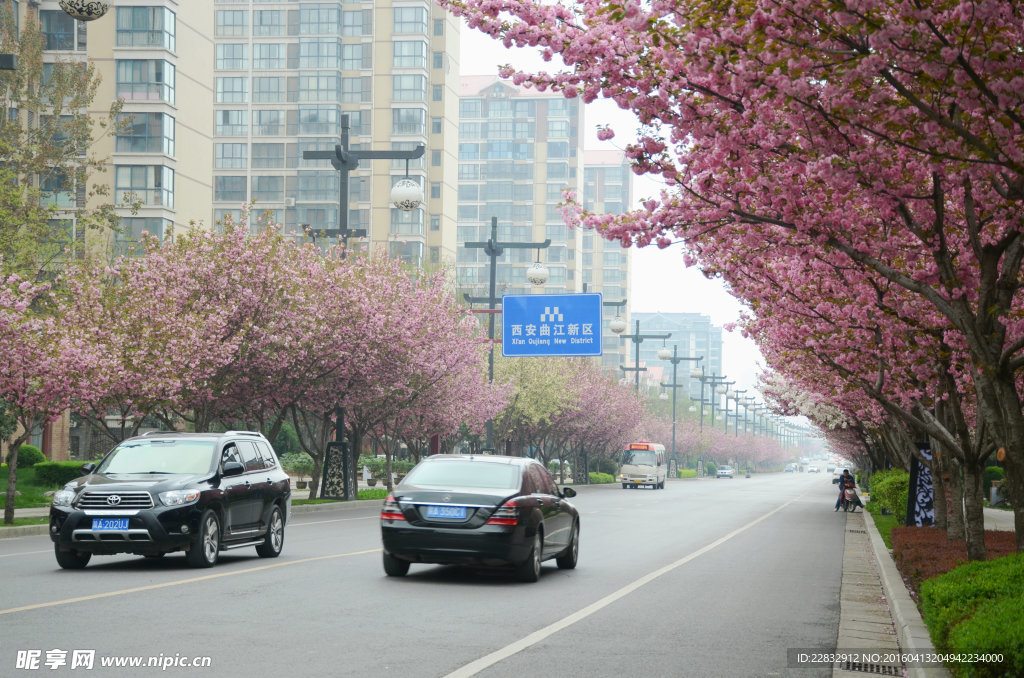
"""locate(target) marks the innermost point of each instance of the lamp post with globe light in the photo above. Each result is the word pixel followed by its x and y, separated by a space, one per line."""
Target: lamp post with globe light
pixel 536 274
pixel 714 380
pixel 406 195
pixel 638 339
pixel 674 357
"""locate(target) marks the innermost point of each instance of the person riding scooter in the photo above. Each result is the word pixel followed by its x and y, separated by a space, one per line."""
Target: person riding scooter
pixel 847 482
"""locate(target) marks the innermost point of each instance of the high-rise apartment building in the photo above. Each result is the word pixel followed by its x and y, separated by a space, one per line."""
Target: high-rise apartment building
pixel 159 64
pixel 518 150
pixel 607 189
pixel 695 336
pixel 285 77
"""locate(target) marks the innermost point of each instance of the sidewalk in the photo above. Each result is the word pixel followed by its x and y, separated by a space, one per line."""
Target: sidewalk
pixel 876 612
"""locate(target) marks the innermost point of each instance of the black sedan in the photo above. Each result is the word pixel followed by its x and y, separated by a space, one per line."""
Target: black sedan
pixel 479 510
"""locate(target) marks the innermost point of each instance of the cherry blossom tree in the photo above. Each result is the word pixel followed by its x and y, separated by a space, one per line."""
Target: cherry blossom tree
pixel 882 134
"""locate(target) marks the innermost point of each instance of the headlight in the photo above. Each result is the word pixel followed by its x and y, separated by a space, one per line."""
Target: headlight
pixel 179 497
pixel 63 497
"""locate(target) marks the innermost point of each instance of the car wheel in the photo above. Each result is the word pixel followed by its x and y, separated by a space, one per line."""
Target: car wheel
pixel 206 547
pixel 529 570
pixel 395 567
pixel 274 541
pixel 567 560
pixel 71 560
pixel 625 486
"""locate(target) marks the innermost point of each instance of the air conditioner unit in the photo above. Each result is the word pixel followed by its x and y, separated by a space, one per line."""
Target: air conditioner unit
pixel 289 202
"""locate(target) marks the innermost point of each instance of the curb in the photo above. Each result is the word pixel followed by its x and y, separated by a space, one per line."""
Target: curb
pixel 910 629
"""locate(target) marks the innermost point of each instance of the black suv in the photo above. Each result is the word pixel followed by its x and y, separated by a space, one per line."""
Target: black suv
pixel 167 491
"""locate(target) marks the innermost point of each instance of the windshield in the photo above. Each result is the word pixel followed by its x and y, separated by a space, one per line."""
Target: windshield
pixel 638 458
pixel 465 473
pixel 190 457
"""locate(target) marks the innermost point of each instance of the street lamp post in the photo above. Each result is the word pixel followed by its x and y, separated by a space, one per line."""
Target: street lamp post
pixel 722 389
pixel 675 359
pixel 736 423
pixel 345 160
pixel 639 339
pixel 698 373
pixel 493 249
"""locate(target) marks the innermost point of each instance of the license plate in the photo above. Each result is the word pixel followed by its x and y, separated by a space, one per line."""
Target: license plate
pixel 447 512
pixel 110 523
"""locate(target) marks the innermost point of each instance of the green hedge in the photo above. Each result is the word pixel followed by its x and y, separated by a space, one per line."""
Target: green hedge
pixel 58 472
pixel 29 456
pixel 687 473
pixel 604 465
pixel 601 478
pixel 710 469
pixel 977 608
pixel 991 473
pixel 890 489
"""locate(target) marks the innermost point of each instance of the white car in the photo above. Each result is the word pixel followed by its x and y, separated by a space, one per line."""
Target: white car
pixel 812 469
pixel 726 472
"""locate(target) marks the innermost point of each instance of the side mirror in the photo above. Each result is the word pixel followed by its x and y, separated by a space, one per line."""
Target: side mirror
pixel 88 468
pixel 233 468
pixel 568 492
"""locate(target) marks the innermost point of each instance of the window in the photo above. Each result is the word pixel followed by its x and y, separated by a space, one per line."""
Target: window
pixel 499 108
pixel 435 158
pixel 318 120
pixel 418 163
pixel 435 190
pixel 357 22
pixel 497 150
pixel 146 27
pixel 231 156
pixel 318 185
pixel 268 55
pixel 408 121
pixel 437 93
pixel 146 133
pixel 269 189
pixel 467 171
pixel 229 189
pixel 128 237
pixel 470 108
pixel 232 57
pixel 435 255
pixel 58 30
pixel 268 22
pixel 319 19
pixel 558 149
pixel 326 53
pixel 525 130
pixel 409 252
pixel 151 184
pixel 438 27
pixel 558 128
pixel 145 80
pixel 469 192
pixel 558 170
pixel 318 87
pixel 438 59
pixel 435 222
pixel 268 123
pixel 232 23
pixel 267 90
pixel 231 123
pixel 435 125
pixel 406 222
pixel 410 54
pixel 500 129
pixel 410 20
pixel 355 57
pixel 409 88
pixel 355 90
pixel 232 90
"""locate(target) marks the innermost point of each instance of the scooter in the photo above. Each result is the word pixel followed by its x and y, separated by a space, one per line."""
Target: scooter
pixel 850 500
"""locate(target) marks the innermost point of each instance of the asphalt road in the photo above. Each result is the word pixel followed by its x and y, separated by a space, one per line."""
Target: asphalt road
pixel 704 578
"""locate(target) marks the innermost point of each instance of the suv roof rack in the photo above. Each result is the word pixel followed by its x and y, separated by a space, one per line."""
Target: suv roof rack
pixel 153 433
pixel 250 433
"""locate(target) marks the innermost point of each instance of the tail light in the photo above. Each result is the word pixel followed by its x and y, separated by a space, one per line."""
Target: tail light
pixel 507 514
pixel 391 510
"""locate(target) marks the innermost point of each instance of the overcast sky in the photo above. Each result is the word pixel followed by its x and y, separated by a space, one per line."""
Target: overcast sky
pixel 659 281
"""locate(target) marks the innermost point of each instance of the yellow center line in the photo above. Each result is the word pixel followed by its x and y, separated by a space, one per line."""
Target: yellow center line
pixel 192 580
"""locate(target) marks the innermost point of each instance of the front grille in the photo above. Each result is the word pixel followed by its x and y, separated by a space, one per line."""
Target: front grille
pixel 135 499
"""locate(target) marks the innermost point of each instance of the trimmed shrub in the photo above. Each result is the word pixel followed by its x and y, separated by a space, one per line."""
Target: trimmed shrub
pixel 991 473
pixel 687 473
pixel 297 463
pixel 604 465
pixel 977 608
pixel 890 488
pixel 58 472
pixel 29 456
pixel 601 478
pixel 923 553
pixel 710 469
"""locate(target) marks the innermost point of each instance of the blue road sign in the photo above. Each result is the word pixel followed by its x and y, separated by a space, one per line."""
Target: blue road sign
pixel 534 325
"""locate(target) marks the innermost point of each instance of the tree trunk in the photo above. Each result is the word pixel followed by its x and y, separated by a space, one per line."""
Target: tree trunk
pixel 974 511
pixel 12 477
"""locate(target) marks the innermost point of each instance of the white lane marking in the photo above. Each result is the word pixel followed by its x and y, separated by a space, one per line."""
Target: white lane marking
pixel 24 553
pixel 474 667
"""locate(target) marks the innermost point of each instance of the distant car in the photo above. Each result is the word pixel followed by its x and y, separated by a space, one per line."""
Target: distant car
pixel 479 510
pixel 726 472
pixel 835 476
pixel 790 468
pixel 813 469
pixel 165 491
